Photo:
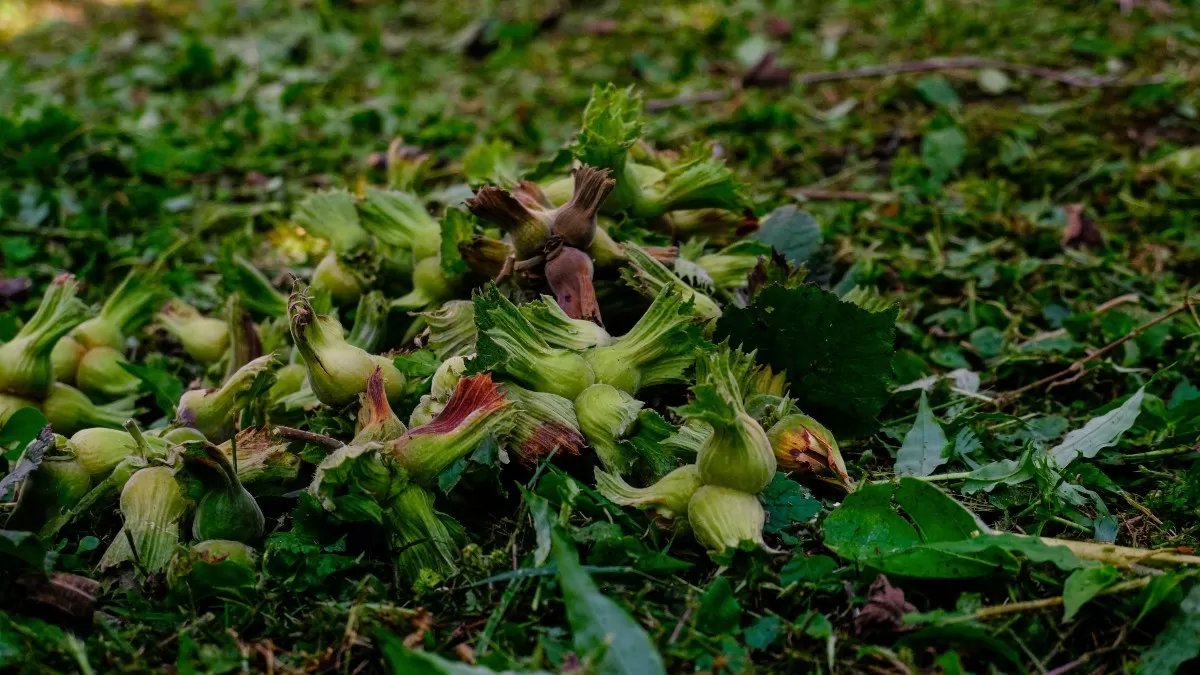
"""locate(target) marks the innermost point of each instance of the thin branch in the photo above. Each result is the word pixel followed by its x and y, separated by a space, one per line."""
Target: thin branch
pixel 294 434
pixel 976 63
pixel 986 613
pixel 922 66
pixel 842 195
pixel 1077 367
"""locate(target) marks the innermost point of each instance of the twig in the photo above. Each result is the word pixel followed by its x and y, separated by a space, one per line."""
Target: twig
pixel 843 195
pixel 307 436
pixel 1077 367
pixel 710 96
pixel 1154 454
pixel 994 611
pixel 976 63
pixel 922 66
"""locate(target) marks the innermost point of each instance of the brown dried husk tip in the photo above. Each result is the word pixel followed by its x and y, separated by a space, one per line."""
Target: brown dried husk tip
pixel 575 222
pixel 803 445
pixel 545 438
pixel 484 255
pixel 528 229
pixel 569 274
pixel 531 195
pixel 376 420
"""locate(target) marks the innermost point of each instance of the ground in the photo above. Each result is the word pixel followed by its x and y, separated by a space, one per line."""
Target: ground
pixel 1025 222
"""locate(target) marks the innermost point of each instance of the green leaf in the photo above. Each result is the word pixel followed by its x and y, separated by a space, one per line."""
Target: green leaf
pixel 794 233
pixel 937 91
pixel 719 611
pixel 943 150
pixel 1159 589
pixel 457 228
pixel 21 428
pixel 763 632
pixel 600 626
pixel 924 448
pixel 838 356
pixel 802 569
pixel 1099 432
pixel 491 163
pixel 28 549
pixel 1176 644
pixel 1084 584
pixel 401 660
pixel 421 363
pixel 1000 472
pixel 928 543
pixel 786 502
pixel 543 523
pixel 165 387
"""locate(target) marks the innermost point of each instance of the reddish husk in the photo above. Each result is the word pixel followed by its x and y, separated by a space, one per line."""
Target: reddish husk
pixel 569 274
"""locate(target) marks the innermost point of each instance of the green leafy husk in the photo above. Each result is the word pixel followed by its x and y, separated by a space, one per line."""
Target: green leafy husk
pixel 226 510
pixel 659 349
pixel 420 537
pixel 65 357
pixel 650 277
pixel 508 343
pixel 126 309
pixel 606 415
pixel 476 410
pixel 337 370
pixel 542 423
pixel 101 373
pixel 737 454
pixel 256 290
pixel 332 216
pixel 451 328
pixel 70 410
pixel 611 127
pixel 399 219
pixel 103 494
pixel 213 568
pixel 100 450
pixel 214 412
pixel 204 338
pixel 668 497
pixel 10 404
pixel 152 507
pixel 431 285
pixel 262 462
pixel 724 518
pixel 559 330
pixel 26 368
pixel 369 331
pixel 57 482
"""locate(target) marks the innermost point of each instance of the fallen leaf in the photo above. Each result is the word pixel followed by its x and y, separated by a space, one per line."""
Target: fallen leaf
pixel 1081 231
pixel 884 610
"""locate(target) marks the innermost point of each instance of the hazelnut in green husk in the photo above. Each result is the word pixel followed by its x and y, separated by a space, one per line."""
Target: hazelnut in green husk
pixel 70 410
pixel 214 412
pixel 100 373
pixel 669 497
pixel 152 507
pixel 26 366
pixel 337 370
pixel 722 518
pixel 204 338
pixel 57 484
pixel 226 510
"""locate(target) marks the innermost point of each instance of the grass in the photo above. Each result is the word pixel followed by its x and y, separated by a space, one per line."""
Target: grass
pixel 174 134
